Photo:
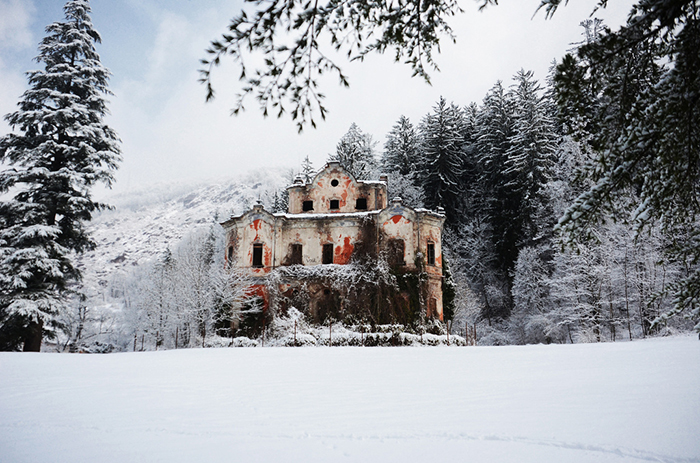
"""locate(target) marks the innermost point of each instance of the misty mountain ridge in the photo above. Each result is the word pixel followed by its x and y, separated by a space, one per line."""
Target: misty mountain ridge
pixel 144 223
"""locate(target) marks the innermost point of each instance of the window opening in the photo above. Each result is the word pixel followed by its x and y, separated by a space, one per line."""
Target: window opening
pixel 395 252
pixel 431 253
pixel 361 204
pixel 327 254
pixel 334 182
pixel 335 204
pixel 308 206
pixel 296 254
pixel 257 255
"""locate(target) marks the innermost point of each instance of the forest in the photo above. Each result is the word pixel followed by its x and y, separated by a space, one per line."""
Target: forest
pixel 571 204
pixel 505 171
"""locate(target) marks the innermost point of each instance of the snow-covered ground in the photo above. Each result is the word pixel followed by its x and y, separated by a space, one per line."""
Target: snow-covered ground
pixel 609 402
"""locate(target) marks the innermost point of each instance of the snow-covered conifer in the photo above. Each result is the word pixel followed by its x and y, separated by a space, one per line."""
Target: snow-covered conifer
pixel 401 149
pixel 307 170
pixel 355 152
pixel 530 155
pixel 59 149
pixel 442 133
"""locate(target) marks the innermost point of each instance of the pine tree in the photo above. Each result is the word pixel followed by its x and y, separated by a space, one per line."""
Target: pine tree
pixel 530 157
pixel 472 169
pixel 494 131
pixel 402 148
pixel 355 152
pixel 442 133
pixel 60 148
pixel 307 170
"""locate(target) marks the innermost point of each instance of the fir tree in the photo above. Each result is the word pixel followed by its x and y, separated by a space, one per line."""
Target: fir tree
pixel 530 157
pixel 494 133
pixel 355 152
pixel 60 148
pixel 402 148
pixel 442 133
pixel 307 170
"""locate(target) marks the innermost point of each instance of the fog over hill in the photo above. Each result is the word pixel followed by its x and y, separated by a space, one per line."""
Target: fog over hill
pixel 144 223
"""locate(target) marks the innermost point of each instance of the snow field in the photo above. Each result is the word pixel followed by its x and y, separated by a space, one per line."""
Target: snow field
pixel 610 402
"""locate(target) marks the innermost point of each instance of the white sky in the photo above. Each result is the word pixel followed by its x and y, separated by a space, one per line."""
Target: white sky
pixel 169 133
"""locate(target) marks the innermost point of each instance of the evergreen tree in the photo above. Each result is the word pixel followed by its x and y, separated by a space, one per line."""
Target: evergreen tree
pixel 402 186
pixel 355 152
pixel 494 132
pixel 307 170
pixel 60 149
pixel 472 169
pixel 530 157
pixel 402 148
pixel 442 133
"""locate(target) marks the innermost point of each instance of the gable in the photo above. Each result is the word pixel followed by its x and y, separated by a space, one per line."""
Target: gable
pixel 333 190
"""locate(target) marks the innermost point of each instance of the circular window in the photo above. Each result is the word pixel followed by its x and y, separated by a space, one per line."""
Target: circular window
pixel 334 182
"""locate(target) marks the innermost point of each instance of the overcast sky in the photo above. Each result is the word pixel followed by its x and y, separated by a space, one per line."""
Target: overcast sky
pixel 168 131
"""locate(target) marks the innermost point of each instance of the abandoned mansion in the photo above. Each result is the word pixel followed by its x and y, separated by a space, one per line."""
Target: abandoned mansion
pixel 336 225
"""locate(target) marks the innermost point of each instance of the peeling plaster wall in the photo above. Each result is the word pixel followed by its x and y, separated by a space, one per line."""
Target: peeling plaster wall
pixel 347 190
pixel 313 233
pixel 345 229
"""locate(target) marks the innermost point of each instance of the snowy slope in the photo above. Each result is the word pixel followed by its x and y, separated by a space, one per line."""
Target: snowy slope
pixel 608 402
pixel 144 223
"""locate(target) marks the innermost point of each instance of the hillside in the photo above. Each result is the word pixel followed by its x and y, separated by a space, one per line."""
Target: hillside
pixel 144 223
pixel 609 402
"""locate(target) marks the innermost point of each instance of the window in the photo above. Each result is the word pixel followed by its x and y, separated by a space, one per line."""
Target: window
pixel 296 254
pixel 257 255
pixel 307 206
pixel 361 204
pixel 335 204
pixel 327 257
pixel 431 253
pixel 395 252
pixel 230 253
pixel 334 182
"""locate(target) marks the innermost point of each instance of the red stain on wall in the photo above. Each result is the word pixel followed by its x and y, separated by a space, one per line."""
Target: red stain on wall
pixel 267 256
pixel 256 227
pixel 396 219
pixel 343 253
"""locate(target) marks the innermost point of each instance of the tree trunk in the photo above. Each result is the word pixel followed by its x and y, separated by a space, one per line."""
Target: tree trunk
pixel 32 339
